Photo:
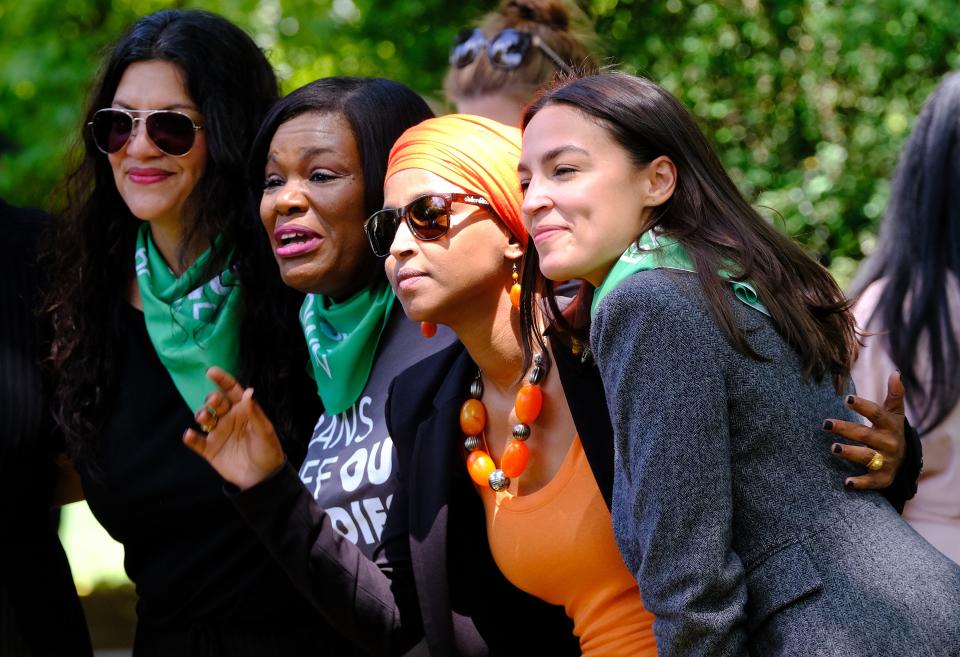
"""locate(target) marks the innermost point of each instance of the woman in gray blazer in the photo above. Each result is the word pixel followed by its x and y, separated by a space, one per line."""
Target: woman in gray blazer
pixel 722 346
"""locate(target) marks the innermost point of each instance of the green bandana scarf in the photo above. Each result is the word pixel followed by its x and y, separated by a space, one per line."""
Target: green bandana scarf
pixel 192 324
pixel 342 339
pixel 658 252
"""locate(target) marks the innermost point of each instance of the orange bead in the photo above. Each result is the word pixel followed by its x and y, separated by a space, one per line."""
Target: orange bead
pixel 515 458
pixel 480 465
pixel 473 417
pixel 528 403
pixel 429 329
pixel 515 295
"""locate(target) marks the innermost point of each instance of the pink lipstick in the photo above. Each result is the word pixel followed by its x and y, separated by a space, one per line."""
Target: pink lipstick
pixel 408 277
pixel 294 241
pixel 544 232
pixel 147 176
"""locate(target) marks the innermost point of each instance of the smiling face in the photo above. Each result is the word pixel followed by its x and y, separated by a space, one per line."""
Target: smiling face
pixel 312 206
pixel 585 200
pixel 154 185
pixel 467 270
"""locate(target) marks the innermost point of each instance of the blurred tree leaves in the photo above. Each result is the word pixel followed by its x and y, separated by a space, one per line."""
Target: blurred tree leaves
pixel 807 101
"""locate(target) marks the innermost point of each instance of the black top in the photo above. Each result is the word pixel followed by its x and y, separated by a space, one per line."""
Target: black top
pixel 433 581
pixel 39 610
pixel 197 567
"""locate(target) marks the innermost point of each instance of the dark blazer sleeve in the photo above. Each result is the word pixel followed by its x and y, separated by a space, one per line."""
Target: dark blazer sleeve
pixel 665 385
pixel 904 485
pixel 372 603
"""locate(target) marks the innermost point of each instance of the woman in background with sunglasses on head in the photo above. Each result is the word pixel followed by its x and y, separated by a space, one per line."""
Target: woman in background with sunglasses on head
pixel 160 270
pixel 496 68
pixel 721 346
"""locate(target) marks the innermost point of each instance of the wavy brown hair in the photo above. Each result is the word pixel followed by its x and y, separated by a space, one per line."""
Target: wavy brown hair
pixel 90 256
pixel 714 223
pixel 561 25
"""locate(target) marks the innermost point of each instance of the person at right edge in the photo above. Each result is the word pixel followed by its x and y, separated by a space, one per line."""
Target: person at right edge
pixel 908 305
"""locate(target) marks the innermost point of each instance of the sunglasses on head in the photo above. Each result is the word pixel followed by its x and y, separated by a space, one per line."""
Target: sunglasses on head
pixel 505 50
pixel 427 217
pixel 172 132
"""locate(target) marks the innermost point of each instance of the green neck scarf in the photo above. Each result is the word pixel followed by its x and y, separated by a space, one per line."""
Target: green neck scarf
pixel 342 339
pixel 653 251
pixel 192 324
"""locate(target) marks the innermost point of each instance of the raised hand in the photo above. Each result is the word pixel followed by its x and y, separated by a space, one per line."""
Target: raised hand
pixel 884 445
pixel 240 442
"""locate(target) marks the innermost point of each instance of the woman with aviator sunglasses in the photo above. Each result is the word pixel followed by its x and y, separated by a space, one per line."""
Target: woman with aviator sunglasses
pixel 159 271
pixel 172 132
pixel 496 68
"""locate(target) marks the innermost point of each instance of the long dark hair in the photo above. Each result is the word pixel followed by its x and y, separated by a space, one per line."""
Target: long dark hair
pixel 917 253
pixel 377 110
pixel 91 259
pixel 716 225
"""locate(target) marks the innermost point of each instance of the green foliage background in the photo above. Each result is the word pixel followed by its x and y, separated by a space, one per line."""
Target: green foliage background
pixel 808 101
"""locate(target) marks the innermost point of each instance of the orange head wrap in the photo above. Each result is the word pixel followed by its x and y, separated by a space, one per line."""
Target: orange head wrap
pixel 477 154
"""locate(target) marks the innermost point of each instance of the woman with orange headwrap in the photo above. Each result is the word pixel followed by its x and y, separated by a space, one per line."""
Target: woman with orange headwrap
pixel 454 242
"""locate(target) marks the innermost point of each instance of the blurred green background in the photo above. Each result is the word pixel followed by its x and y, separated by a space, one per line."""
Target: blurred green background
pixel 807 101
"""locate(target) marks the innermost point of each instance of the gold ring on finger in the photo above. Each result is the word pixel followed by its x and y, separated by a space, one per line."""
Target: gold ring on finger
pixel 876 462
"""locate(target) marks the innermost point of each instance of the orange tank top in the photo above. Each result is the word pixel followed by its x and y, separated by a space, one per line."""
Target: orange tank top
pixel 557 544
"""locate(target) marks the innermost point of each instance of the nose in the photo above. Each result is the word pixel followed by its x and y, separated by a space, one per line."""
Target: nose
pixel 404 243
pixel 290 199
pixel 535 201
pixel 139 144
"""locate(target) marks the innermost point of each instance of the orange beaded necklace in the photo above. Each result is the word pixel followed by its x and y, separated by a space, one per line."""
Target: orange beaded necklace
pixel 473 420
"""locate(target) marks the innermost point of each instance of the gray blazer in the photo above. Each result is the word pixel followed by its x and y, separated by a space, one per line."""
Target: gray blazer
pixel 729 507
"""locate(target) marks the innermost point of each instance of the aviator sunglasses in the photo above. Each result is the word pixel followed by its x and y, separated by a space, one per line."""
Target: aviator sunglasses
pixel 428 218
pixel 505 50
pixel 172 132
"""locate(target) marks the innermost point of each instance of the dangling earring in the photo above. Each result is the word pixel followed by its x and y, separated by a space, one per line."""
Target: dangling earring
pixel 515 290
pixel 429 329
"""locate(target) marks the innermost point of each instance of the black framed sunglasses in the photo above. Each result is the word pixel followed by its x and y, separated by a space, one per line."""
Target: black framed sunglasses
pixel 172 132
pixel 427 217
pixel 505 50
